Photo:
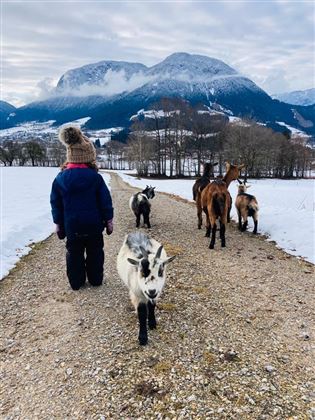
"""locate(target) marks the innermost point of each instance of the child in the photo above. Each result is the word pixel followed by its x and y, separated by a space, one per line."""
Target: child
pixel 81 208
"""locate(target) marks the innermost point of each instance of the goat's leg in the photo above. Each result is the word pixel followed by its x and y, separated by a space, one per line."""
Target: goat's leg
pixel 199 211
pixel 208 225
pixel 255 223
pixel 146 220
pixel 214 229
pixel 151 315
pixel 142 316
pixel 239 220
pixel 137 220
pixel 222 234
pixel 245 217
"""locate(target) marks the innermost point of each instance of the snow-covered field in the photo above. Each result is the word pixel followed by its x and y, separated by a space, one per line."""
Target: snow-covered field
pixel 25 211
pixel 286 215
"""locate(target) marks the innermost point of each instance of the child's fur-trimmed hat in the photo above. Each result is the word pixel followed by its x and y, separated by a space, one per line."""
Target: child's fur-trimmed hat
pixel 79 148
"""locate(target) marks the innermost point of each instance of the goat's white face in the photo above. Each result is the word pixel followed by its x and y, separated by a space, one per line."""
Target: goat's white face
pixel 242 188
pixel 152 281
pixel 151 275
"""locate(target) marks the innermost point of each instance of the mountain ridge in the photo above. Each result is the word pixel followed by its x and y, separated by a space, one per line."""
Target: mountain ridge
pixel 111 91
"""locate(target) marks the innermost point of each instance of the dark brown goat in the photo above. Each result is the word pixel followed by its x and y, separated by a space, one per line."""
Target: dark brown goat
pixel 200 185
pixel 216 201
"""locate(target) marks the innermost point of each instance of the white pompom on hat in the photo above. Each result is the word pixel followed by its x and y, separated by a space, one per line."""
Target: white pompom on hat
pixel 79 148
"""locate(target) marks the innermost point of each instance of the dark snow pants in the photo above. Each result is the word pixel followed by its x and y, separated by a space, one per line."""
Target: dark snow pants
pixel 85 257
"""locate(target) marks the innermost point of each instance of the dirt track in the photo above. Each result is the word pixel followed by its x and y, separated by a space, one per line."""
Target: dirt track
pixel 74 355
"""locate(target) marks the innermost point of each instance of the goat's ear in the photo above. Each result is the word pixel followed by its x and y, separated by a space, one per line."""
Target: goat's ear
pixel 133 262
pixel 215 164
pixel 248 186
pixel 168 260
pixel 153 188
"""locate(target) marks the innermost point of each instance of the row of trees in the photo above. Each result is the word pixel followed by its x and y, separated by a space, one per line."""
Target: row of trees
pixel 33 153
pixel 176 140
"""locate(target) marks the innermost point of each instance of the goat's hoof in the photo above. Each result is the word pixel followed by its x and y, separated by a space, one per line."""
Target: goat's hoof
pixel 211 246
pixel 207 235
pixel 222 245
pixel 152 325
pixel 199 227
pixel 143 340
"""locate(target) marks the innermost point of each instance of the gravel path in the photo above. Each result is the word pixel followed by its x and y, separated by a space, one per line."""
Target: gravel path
pixel 235 335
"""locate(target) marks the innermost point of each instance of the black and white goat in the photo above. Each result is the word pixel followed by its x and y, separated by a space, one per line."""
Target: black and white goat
pixel 246 206
pixel 140 205
pixel 141 264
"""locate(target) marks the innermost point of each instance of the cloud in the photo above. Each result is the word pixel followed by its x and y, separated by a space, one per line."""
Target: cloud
pixel 114 82
pixel 272 42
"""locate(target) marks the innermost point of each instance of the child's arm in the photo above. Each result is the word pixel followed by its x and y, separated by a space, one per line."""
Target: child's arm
pixel 57 209
pixel 105 202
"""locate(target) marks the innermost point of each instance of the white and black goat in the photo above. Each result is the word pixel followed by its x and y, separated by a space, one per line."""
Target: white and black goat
pixel 140 205
pixel 246 206
pixel 141 264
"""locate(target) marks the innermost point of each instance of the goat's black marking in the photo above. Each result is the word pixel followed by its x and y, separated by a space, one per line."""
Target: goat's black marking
pixel 151 315
pixel 145 268
pixel 142 316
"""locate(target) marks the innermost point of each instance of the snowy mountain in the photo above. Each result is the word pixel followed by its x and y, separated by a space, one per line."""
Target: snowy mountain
pixel 110 92
pixel 5 110
pixel 297 97
pixel 99 75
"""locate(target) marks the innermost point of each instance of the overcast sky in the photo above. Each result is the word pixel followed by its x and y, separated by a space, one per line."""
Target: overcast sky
pixel 272 42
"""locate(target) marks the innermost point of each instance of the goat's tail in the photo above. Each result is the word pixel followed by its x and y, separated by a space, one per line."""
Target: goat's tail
pixel 252 208
pixel 194 191
pixel 218 203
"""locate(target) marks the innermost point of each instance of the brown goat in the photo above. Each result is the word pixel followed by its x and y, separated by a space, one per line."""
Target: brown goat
pixel 246 206
pixel 199 186
pixel 216 201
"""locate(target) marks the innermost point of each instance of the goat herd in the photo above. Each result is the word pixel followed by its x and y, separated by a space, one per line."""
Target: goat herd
pixel 141 261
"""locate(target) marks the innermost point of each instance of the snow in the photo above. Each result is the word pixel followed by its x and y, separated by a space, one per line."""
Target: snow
pixel 38 128
pixel 30 127
pixel 286 209
pixel 25 211
pixel 295 132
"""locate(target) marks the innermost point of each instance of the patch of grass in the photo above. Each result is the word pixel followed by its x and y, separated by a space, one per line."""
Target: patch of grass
pixel 201 290
pixel 209 357
pixel 167 307
pixel 163 366
pixel 172 249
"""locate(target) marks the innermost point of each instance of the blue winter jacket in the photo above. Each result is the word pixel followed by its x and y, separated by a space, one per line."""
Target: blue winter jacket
pixel 80 202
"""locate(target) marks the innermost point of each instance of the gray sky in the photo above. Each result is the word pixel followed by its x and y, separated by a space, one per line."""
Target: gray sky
pixel 271 42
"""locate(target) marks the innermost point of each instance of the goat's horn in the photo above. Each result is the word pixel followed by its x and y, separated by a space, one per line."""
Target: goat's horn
pixel 158 252
pixel 143 252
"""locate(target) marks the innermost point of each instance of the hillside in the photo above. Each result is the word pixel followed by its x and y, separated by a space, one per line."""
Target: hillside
pixel 110 92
